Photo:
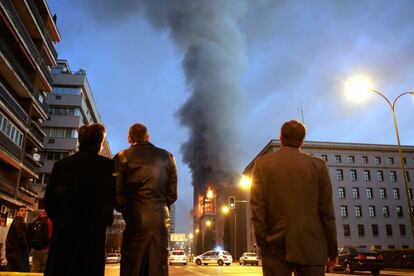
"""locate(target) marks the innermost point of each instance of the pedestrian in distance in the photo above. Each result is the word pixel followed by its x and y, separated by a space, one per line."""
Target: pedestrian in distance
pixel 79 200
pixel 39 236
pixel 292 209
pixel 17 247
pixel 146 186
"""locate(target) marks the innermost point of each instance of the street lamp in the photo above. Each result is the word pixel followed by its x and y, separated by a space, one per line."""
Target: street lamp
pixel 358 87
pixel 245 182
pixel 225 210
pixel 208 223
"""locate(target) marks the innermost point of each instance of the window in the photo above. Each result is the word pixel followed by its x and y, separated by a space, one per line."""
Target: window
pixel 325 157
pixel 353 175
pixel 338 159
pixel 371 210
pixel 11 131
pixel 383 193
pixel 393 176
pixel 377 160
pixel 385 211
pixel 367 176
pixel 61 132
pixel 339 175
pixel 67 90
pixel 344 211
pixel 396 193
pixel 388 228
pixel 351 159
pixel 403 231
pixel 405 160
pixel 380 176
pixel 410 193
pixel 358 211
pixel 341 192
pixel 355 192
pixel 361 231
pixel 374 228
pixel 407 176
pixel 365 159
pixel 398 211
pixel 347 230
pixel 390 160
pixel 369 193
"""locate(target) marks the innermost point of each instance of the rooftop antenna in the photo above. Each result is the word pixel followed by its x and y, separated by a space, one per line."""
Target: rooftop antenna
pixel 300 110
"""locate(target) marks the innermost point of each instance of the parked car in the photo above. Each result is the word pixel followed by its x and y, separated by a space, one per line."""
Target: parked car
pixel 249 258
pixel 359 259
pixel 177 257
pixel 219 257
pixel 113 257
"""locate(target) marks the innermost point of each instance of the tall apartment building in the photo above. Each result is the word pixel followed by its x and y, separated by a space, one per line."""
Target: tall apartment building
pixel 71 105
pixel 369 193
pixel 27 37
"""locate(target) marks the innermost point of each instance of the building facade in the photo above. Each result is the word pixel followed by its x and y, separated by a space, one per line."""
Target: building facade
pixel 28 35
pixel 370 199
pixel 71 105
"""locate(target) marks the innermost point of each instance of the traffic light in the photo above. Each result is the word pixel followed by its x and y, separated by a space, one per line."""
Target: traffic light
pixel 232 202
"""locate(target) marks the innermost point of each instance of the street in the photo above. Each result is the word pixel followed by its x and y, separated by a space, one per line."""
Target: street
pixel 234 269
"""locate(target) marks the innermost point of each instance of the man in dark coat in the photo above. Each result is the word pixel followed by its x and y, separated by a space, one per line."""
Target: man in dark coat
pixel 17 248
pixel 146 186
pixel 79 200
pixel 292 208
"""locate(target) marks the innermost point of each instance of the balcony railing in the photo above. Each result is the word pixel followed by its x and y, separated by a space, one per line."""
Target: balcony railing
pixel 42 26
pixel 31 163
pixel 26 198
pixel 10 146
pixel 7 186
pixel 13 104
pixel 37 132
pixel 43 103
pixel 27 39
pixel 8 53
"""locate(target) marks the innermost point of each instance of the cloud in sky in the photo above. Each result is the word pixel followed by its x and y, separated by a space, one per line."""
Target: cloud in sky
pixel 298 53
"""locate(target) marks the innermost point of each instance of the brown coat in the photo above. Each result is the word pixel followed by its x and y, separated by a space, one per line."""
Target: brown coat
pixel 292 207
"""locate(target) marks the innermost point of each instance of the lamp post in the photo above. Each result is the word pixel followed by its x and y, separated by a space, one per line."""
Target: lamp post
pixel 225 210
pixel 359 85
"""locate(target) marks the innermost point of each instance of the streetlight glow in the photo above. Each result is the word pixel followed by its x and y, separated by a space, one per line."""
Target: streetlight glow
pixel 245 182
pixel 358 88
pixel 208 223
pixel 225 209
pixel 190 236
pixel 197 231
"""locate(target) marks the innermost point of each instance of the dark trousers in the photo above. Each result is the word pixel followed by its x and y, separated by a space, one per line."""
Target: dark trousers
pixel 274 264
pixel 18 261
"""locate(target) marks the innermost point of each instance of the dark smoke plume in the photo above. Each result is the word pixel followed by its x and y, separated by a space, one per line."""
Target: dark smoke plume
pixel 207 33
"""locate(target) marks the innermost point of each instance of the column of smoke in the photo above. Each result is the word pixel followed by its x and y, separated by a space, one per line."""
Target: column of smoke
pixel 207 33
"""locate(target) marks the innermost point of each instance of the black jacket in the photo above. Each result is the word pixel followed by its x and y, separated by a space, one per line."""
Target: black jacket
pixel 146 186
pixel 17 236
pixel 79 200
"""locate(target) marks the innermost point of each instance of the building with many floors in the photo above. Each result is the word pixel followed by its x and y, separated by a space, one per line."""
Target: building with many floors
pixel 370 199
pixel 71 105
pixel 28 34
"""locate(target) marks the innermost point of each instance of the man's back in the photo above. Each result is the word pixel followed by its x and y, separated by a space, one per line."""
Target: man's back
pixel 296 191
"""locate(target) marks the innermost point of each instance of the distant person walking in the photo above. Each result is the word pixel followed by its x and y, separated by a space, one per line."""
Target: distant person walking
pixel 292 208
pixel 146 184
pixel 79 200
pixel 39 236
pixel 17 247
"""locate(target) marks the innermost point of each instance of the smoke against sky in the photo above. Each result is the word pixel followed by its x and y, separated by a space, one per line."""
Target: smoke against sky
pixel 297 52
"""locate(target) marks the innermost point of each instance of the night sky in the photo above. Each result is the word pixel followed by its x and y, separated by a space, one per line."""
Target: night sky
pixel 257 63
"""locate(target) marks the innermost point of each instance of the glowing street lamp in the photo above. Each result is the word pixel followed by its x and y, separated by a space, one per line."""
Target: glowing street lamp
pixel 359 88
pixel 197 231
pixel 208 223
pixel 225 209
pixel 245 182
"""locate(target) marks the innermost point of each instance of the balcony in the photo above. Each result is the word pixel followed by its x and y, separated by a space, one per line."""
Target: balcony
pixel 7 186
pixel 42 27
pixel 31 167
pixel 28 41
pixel 27 196
pixel 10 146
pixel 13 104
pixel 37 133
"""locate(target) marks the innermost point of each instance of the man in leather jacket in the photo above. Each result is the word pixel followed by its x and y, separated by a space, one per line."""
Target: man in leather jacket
pixel 17 247
pixel 146 186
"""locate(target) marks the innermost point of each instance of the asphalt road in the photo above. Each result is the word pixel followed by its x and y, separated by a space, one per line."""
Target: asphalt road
pixel 233 270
